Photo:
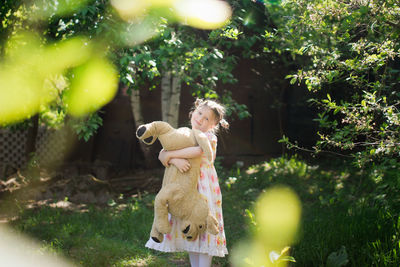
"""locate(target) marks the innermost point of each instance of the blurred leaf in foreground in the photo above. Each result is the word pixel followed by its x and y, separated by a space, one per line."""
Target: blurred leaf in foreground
pixel 28 66
pixel 206 14
pixel 94 85
pixel 25 70
pixel 277 216
pixel 17 250
pixel 45 8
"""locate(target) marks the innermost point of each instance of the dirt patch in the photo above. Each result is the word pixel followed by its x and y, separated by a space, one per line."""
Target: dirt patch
pixel 68 190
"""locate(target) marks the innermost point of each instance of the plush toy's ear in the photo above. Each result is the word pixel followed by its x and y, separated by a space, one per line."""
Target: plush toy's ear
pixel 203 142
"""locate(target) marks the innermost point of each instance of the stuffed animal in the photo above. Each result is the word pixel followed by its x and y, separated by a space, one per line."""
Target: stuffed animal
pixel 179 195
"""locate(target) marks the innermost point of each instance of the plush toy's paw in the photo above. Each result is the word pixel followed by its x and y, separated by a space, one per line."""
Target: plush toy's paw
pixel 190 231
pixel 186 230
pixel 212 225
pixel 140 131
pixel 188 234
pixel 156 236
pixel 190 238
pixel 158 239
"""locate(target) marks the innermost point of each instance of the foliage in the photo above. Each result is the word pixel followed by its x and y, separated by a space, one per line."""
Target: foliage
pixel 198 58
pixel 347 54
pixel 41 63
pixel 337 259
pixel 109 27
pixel 204 60
pixel 85 127
pixel 341 212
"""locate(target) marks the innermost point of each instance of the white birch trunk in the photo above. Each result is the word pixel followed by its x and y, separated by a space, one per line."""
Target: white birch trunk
pixel 173 112
pixel 165 94
pixel 136 108
pixel 170 98
pixel 138 118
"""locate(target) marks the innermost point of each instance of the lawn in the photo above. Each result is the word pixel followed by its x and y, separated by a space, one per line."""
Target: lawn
pixel 349 218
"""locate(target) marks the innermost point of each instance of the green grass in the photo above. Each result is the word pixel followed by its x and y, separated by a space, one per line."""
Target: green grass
pixel 111 236
pixel 342 207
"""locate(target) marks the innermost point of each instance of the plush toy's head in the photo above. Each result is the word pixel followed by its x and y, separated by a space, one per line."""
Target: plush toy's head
pixel 173 139
pixel 149 133
pixel 195 225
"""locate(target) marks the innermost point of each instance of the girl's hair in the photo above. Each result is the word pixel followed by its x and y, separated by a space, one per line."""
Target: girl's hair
pixel 218 110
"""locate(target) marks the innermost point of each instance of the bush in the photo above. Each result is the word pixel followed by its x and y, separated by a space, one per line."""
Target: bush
pixel 344 209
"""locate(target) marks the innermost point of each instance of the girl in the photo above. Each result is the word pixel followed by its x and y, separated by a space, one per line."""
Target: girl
pixel 206 116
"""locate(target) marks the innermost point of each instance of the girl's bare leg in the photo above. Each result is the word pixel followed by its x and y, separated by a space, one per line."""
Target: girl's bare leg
pixel 194 259
pixel 204 260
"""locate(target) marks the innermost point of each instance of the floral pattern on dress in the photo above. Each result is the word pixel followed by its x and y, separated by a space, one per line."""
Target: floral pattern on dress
pixel 208 185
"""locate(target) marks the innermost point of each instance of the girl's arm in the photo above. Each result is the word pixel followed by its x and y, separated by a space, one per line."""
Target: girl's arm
pixel 184 153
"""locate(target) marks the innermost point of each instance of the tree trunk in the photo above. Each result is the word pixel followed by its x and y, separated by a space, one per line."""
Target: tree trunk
pixel 170 101
pixel 138 117
pixel 170 98
pixel 165 94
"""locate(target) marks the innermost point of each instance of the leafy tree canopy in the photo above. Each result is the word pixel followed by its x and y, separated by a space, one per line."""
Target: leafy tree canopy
pixel 347 55
pixel 85 42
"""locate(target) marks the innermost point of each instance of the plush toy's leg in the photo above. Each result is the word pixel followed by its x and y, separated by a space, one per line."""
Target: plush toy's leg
pixel 161 212
pixel 156 235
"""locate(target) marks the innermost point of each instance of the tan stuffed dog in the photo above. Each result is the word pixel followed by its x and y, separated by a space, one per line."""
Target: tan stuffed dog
pixel 179 195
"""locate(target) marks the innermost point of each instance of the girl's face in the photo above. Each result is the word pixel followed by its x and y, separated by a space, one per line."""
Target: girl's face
pixel 202 119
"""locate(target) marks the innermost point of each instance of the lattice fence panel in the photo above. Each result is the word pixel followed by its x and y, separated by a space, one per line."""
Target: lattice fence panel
pixel 12 147
pixel 50 146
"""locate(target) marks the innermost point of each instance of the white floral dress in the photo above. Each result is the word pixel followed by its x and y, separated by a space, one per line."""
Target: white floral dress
pixel 214 245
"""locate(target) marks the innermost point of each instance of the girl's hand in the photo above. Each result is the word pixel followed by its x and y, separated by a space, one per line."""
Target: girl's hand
pixel 183 165
pixel 163 156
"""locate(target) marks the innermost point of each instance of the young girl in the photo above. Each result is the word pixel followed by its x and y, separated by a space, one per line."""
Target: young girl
pixel 206 116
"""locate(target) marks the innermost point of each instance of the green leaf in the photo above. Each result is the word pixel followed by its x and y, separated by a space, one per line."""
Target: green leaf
pixel 363 103
pixel 337 259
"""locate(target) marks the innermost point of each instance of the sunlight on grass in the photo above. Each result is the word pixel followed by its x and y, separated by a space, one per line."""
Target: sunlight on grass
pixel 136 261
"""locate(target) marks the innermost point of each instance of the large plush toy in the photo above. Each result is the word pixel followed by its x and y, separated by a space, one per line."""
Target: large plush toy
pixel 179 195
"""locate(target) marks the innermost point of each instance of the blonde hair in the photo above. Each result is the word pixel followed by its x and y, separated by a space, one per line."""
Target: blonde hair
pixel 217 109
